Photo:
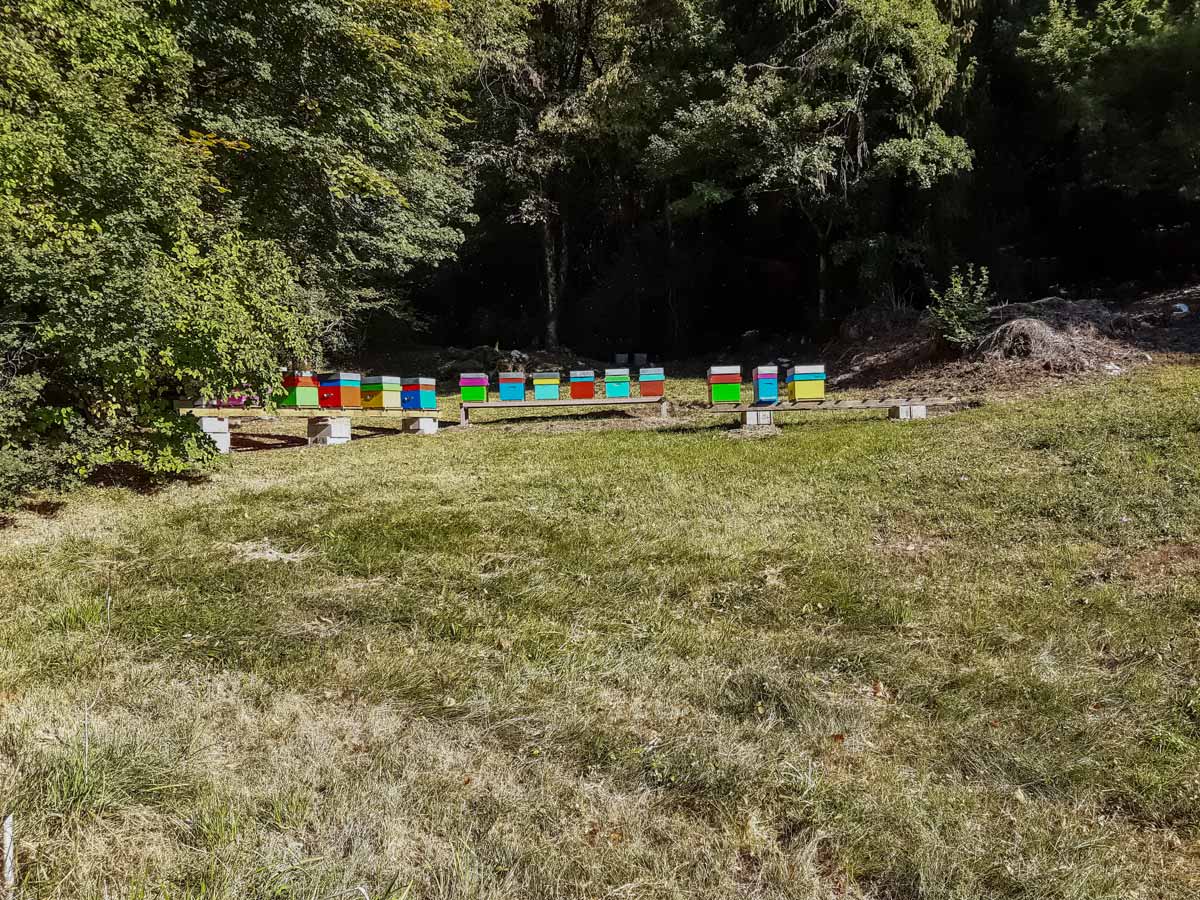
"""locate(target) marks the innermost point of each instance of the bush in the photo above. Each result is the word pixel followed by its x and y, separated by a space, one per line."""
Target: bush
pixel 959 313
pixel 124 283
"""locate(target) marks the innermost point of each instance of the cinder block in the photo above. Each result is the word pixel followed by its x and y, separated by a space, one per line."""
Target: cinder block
pixel 213 425
pixel 420 425
pixel 758 418
pixel 906 413
pixel 328 432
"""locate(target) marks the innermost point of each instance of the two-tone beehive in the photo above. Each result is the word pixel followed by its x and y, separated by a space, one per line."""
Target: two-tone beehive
pixel 512 386
pixel 651 381
pixel 766 385
pixel 301 390
pixel 473 387
pixel 546 385
pixel 616 383
pixel 418 394
pixel 583 384
pixel 806 383
pixel 340 390
pixel 725 384
pixel 382 392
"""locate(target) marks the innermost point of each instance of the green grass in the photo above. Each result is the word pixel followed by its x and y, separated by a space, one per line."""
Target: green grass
pixel 943 659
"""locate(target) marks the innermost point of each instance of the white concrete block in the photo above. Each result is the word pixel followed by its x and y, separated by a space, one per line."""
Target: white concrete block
pixel 758 418
pixel 222 442
pixel 214 425
pixel 906 413
pixel 328 431
pixel 421 425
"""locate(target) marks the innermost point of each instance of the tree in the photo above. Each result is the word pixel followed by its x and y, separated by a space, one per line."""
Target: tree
pixel 347 109
pixel 121 285
pixel 823 101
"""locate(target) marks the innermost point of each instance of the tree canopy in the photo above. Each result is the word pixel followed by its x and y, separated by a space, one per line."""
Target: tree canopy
pixel 195 194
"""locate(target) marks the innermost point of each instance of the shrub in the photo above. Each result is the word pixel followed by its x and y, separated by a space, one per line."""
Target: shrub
pixel 959 312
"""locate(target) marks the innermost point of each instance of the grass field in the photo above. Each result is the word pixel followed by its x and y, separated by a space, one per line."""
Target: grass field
pixel 947 659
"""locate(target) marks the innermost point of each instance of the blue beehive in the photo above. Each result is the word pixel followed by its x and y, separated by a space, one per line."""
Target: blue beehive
pixel 766 385
pixel 512 386
pixel 419 393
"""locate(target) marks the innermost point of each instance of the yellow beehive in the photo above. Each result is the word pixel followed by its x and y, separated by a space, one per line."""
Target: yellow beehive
pixel 806 383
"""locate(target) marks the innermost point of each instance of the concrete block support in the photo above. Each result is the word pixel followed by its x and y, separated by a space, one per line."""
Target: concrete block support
pixel 328 431
pixel 906 413
pixel 757 418
pixel 217 431
pixel 420 425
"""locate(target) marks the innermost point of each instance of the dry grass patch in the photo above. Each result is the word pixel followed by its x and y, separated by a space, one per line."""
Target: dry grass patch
pixel 947 659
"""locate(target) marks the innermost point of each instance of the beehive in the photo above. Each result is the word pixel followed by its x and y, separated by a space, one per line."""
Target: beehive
pixel 512 386
pixel 546 385
pixel 382 392
pixel 806 383
pixel 651 382
pixel 341 390
pixel 766 385
pixel 418 393
pixel 473 387
pixel 301 390
pixel 583 384
pixel 616 382
pixel 725 384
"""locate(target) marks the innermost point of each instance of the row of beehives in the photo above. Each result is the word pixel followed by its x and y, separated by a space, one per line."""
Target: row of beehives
pixel 581 385
pixel 803 383
pixel 350 390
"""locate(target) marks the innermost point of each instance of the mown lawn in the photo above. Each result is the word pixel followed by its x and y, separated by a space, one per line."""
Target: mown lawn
pixel 948 659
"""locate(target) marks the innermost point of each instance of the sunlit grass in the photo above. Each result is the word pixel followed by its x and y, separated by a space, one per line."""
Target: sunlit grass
pixel 942 659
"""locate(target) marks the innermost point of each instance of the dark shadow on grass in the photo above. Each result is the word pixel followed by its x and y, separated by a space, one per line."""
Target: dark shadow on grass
pixel 366 432
pixel 258 442
pixel 47 509
pixel 596 415
pixel 130 477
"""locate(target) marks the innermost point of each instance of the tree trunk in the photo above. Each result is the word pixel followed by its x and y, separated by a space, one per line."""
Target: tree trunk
pixel 822 283
pixel 555 261
pixel 550 262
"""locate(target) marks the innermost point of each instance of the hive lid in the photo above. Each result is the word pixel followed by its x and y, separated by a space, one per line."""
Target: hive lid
pixel 806 370
pixel 473 375
pixel 657 370
pixel 766 372
pixel 341 376
pixel 583 373
pixel 547 375
pixel 608 372
pixel 423 382
pixel 724 370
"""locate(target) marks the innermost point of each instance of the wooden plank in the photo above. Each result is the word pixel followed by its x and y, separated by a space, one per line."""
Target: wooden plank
pixel 608 401
pixel 599 402
pixel 809 405
pixel 313 412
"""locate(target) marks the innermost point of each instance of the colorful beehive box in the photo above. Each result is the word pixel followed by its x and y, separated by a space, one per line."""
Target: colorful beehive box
pixel 583 384
pixel 512 386
pixel 651 382
pixel 806 383
pixel 725 384
pixel 546 385
pixel 473 387
pixel 418 393
pixel 301 390
pixel 616 382
pixel 382 392
pixel 341 390
pixel 766 385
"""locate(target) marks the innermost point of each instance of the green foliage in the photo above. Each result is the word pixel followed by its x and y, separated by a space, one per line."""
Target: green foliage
pixel 960 311
pixel 120 285
pixel 1124 74
pixel 347 110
